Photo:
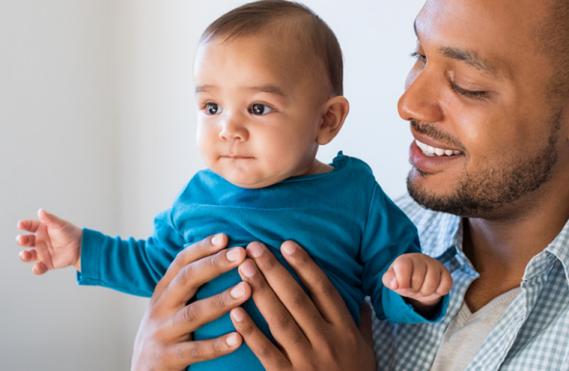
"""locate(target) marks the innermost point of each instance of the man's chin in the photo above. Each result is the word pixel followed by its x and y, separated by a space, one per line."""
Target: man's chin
pixel 428 188
pixel 454 202
pixel 433 197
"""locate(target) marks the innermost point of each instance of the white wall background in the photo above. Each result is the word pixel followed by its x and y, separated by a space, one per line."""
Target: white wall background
pixel 97 124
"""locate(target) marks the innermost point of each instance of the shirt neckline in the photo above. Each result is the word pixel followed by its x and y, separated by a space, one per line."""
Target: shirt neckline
pixel 338 163
pixel 450 240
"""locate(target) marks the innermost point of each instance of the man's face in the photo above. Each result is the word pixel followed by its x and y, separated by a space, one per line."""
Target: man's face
pixel 486 133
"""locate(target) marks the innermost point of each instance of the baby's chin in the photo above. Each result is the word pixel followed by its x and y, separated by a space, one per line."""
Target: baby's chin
pixel 249 181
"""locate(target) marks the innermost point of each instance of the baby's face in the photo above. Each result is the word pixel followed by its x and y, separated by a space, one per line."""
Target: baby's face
pixel 259 110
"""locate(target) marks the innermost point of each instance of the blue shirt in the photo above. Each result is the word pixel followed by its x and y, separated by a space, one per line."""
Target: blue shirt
pixel 532 334
pixel 343 219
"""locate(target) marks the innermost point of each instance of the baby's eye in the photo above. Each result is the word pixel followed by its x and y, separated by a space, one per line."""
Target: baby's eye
pixel 260 109
pixel 211 108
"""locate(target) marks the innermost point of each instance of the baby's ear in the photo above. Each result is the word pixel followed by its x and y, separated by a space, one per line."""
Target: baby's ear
pixel 334 114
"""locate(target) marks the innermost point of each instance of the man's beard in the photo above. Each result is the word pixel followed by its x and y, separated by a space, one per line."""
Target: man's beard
pixel 484 192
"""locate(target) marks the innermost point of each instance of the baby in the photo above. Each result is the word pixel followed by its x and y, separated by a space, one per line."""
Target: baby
pixel 268 79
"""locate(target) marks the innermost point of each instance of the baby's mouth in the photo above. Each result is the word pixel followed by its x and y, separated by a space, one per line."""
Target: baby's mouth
pixel 236 157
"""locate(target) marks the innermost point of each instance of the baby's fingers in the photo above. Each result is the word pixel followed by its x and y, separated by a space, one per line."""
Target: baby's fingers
pixel 39 268
pixel 51 219
pixel 420 270
pixel 29 225
pixel 432 281
pixel 389 280
pixel 403 270
pixel 446 282
pixel 28 255
pixel 28 240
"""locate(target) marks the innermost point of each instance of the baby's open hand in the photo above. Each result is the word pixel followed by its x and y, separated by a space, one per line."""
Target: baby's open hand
pixel 420 278
pixel 53 243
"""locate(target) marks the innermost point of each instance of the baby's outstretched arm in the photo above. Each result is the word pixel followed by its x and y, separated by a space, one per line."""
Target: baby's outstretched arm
pixel 419 278
pixel 52 243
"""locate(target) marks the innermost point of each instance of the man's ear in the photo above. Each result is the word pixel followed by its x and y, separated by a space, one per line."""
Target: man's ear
pixel 334 114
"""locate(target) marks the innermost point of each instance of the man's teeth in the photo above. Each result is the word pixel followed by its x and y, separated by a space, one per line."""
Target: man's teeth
pixel 434 151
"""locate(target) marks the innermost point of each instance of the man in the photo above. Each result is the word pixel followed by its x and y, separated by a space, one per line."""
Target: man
pixel 488 104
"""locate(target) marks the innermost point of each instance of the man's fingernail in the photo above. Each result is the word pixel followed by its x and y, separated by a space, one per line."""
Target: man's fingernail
pixel 238 291
pixel 256 250
pixel 248 269
pixel 289 248
pixel 232 340
pixel 237 315
pixel 233 255
pixel 217 240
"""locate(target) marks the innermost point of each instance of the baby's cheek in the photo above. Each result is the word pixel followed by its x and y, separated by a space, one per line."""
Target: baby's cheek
pixel 210 157
pixel 281 160
pixel 206 141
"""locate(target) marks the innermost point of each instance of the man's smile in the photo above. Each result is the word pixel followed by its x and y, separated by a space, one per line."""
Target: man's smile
pixel 429 157
pixel 431 151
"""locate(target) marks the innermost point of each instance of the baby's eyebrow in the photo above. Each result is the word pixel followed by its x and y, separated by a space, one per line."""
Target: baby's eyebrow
pixel 268 88
pixel 203 88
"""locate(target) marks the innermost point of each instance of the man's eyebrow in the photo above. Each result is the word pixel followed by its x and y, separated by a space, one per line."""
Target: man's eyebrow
pixel 415 28
pixel 470 57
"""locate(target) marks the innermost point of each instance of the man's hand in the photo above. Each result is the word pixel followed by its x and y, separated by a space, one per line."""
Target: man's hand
pixel 313 332
pixel 52 243
pixel 164 340
pixel 420 278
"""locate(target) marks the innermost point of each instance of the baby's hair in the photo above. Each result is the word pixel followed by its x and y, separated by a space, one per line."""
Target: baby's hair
pixel 315 38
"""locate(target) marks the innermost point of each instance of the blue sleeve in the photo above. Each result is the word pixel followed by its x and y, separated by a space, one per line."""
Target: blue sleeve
pixel 389 233
pixel 131 266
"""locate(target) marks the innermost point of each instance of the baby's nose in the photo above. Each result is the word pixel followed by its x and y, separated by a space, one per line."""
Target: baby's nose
pixel 233 129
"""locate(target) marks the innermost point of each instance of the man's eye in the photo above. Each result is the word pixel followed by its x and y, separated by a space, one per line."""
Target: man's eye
pixel 473 94
pixel 419 57
pixel 211 108
pixel 259 109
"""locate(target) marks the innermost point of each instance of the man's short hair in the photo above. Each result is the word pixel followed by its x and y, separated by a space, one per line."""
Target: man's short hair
pixel 315 38
pixel 554 42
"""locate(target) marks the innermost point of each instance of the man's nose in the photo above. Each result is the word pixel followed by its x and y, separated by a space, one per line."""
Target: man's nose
pixel 233 128
pixel 421 99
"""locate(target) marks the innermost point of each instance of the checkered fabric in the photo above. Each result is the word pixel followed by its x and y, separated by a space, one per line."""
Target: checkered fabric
pixel 532 334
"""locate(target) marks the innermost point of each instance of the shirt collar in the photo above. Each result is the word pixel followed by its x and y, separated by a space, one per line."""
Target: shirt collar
pixel 559 248
pixel 439 233
pixel 441 236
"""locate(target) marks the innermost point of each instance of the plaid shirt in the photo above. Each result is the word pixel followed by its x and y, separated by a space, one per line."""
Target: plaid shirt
pixel 532 334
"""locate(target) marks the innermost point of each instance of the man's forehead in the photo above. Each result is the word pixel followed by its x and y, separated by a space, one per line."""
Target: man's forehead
pixel 469 56
pixel 515 21
pixel 483 34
